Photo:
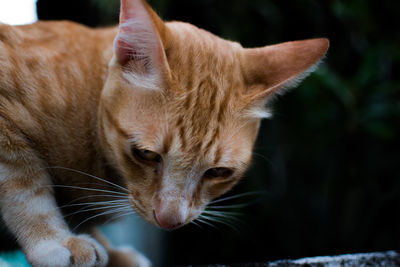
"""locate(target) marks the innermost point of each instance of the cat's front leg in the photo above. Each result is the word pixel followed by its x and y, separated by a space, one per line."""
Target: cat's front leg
pixel 29 210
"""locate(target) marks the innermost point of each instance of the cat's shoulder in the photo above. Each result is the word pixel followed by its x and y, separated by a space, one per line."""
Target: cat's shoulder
pixel 59 36
pixel 41 30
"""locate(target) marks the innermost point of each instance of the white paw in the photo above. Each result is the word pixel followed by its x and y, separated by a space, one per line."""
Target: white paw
pixel 76 251
pixel 49 253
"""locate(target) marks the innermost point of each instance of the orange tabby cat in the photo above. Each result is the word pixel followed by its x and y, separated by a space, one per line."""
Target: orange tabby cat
pixel 167 115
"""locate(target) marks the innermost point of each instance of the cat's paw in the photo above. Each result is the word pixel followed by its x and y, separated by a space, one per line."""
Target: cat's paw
pixel 76 251
pixel 127 257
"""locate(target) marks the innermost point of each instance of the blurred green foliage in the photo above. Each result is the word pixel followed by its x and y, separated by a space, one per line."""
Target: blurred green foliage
pixel 329 160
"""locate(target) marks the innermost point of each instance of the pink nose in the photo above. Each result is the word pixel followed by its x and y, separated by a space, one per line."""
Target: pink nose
pixel 167 221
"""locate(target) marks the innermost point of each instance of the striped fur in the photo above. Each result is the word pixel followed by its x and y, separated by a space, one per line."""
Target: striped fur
pixel 74 101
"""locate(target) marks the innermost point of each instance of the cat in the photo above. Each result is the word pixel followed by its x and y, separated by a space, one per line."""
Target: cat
pixel 151 116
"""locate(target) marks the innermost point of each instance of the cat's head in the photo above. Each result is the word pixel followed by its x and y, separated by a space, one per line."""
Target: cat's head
pixel 181 108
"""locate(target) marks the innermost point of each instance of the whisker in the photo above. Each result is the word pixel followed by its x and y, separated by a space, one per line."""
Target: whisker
pixel 116 216
pixel 70 204
pixel 89 189
pixel 237 196
pixel 207 223
pixel 135 202
pixel 263 157
pixel 228 206
pixel 128 213
pixel 90 175
pixel 224 220
pixel 84 197
pixel 227 219
pixel 223 213
pixel 91 184
pixel 96 208
pixel 96 203
pixel 198 225
pixel 220 220
pixel 97 215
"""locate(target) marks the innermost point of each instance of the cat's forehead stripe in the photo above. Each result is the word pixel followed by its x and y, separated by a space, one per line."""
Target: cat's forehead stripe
pixel 181 131
pixel 218 155
pixel 167 142
pixel 203 112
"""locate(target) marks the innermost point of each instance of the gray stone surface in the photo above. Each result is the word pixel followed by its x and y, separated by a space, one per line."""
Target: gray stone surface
pixel 377 259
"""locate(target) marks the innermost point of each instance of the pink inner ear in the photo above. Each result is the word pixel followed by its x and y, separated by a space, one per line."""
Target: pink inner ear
pixel 122 52
pixel 138 46
pixel 137 37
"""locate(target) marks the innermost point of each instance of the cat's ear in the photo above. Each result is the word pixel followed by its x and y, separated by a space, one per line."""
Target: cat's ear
pixel 139 44
pixel 275 68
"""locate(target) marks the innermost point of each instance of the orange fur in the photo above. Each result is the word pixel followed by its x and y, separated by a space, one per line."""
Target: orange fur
pixel 171 88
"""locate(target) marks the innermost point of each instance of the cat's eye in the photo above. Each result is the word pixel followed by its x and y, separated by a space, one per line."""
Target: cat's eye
pixel 146 155
pixel 219 172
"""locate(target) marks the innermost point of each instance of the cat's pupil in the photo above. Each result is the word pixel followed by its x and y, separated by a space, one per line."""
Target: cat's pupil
pixel 218 172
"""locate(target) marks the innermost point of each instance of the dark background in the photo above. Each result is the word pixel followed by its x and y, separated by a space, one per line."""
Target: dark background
pixel 328 162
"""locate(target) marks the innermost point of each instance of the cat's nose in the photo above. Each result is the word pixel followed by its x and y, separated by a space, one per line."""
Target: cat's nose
pixel 167 221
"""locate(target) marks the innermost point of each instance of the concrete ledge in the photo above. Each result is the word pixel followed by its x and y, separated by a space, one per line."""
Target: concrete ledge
pixel 377 259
